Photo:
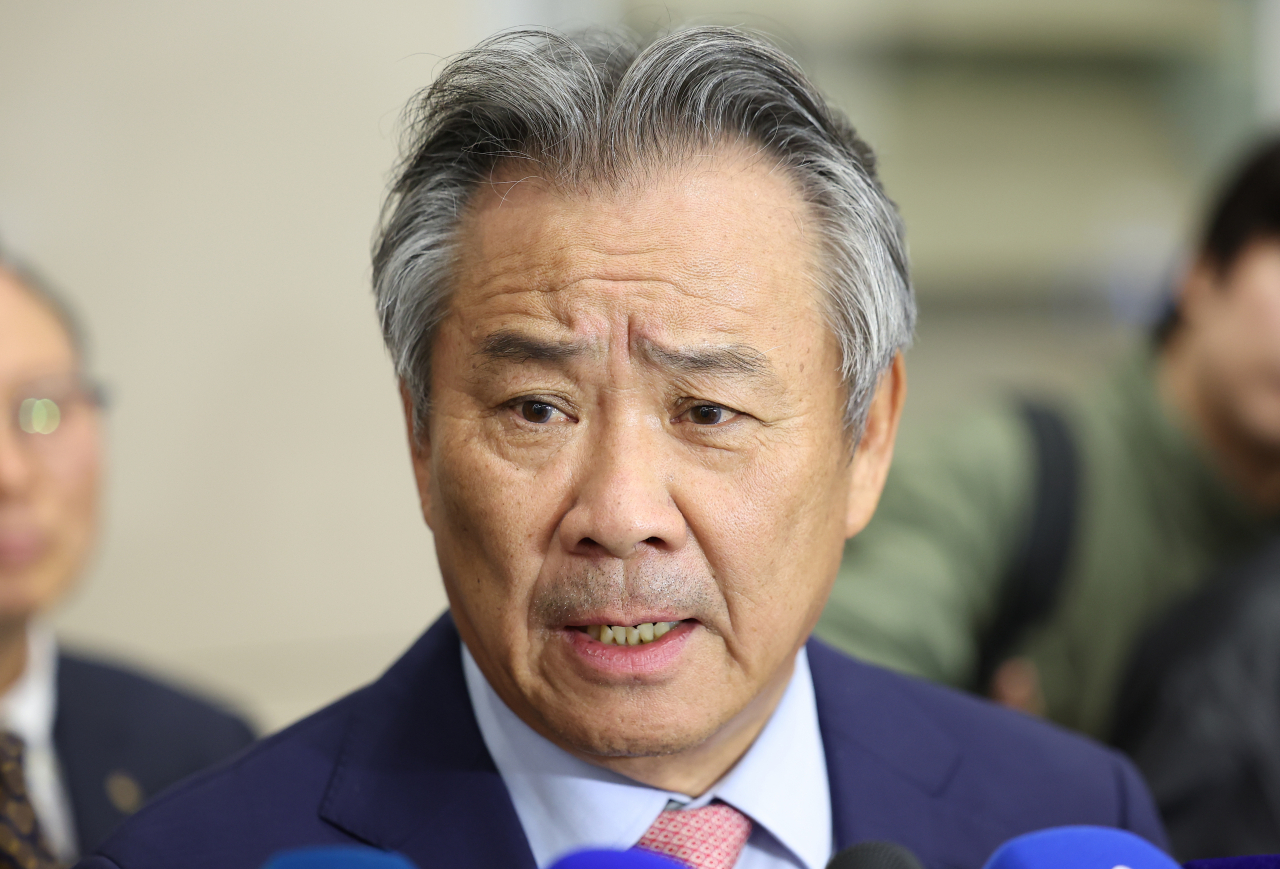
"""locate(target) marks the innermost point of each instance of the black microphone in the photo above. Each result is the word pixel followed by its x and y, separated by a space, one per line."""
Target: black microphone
pixel 875 855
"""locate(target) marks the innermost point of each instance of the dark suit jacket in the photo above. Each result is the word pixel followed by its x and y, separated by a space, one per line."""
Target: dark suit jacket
pixel 122 738
pixel 401 765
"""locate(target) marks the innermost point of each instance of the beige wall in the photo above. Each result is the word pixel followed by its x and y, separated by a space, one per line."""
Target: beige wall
pixel 204 181
pixel 1267 36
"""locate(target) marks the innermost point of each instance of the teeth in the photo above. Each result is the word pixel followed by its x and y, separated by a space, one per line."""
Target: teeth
pixel 627 635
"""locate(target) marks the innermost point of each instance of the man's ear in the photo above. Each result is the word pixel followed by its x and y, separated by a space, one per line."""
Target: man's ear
pixel 419 452
pixel 1201 285
pixel 875 450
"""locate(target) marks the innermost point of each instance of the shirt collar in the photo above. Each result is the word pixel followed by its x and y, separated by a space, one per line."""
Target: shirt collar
pixel 566 804
pixel 28 708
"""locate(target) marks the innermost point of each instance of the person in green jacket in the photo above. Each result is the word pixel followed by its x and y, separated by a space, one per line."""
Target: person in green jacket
pixel 1178 472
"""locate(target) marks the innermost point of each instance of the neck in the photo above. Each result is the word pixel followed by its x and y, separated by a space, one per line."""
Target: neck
pixel 13 653
pixel 1252 468
pixel 695 770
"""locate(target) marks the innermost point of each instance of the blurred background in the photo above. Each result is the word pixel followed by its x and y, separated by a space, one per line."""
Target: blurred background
pixel 203 180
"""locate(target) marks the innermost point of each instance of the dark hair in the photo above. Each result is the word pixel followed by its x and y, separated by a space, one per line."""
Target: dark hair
pixel 53 300
pixel 1246 210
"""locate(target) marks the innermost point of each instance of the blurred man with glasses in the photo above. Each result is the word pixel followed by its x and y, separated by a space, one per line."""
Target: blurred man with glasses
pixel 82 744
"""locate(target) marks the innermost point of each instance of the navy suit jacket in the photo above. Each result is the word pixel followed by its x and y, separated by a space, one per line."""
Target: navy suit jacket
pixel 122 738
pixel 401 765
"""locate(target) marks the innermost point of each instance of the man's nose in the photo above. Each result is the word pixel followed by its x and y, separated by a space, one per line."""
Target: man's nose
pixel 623 503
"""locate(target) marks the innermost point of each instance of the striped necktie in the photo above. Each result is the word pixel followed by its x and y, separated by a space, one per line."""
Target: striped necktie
pixel 22 844
pixel 711 837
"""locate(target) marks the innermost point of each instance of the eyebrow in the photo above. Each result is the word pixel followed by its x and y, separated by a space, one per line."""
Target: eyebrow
pixel 519 347
pixel 734 360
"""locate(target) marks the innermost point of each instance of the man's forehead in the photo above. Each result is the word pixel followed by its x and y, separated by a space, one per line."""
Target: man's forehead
pixel 723 220
pixel 32 339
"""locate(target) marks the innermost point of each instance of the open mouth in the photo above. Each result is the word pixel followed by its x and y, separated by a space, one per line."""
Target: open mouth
pixel 628 635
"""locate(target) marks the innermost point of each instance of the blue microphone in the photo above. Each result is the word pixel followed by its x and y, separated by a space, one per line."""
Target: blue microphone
pixel 1255 861
pixel 635 858
pixel 1080 848
pixel 337 857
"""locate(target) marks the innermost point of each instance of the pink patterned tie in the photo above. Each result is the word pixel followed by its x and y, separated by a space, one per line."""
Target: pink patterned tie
pixel 711 837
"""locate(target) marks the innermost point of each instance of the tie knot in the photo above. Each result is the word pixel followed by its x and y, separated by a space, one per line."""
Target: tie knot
pixel 711 837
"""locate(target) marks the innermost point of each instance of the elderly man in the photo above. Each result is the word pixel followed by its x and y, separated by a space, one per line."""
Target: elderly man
pixel 83 744
pixel 646 308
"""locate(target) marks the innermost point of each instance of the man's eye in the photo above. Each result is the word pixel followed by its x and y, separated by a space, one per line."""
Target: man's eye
pixel 708 414
pixel 536 411
pixel 39 415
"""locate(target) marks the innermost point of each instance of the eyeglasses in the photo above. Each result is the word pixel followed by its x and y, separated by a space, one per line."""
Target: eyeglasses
pixel 46 414
pixel 39 415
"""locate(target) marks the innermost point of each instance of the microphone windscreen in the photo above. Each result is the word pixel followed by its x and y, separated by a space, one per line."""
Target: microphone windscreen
pixel 337 857
pixel 875 855
pixel 1080 848
pixel 634 858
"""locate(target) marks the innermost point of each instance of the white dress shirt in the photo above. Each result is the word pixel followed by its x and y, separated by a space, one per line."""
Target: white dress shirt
pixel 28 710
pixel 566 804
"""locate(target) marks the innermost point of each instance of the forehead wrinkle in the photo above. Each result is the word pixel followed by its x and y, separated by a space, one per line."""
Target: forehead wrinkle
pixel 617 245
pixel 559 273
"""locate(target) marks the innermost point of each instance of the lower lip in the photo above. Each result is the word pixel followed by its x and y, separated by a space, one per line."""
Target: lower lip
pixel 646 660
pixel 20 550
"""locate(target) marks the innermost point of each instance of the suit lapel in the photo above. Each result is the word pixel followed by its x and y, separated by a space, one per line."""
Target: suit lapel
pixel 414 775
pixel 886 760
pixel 86 750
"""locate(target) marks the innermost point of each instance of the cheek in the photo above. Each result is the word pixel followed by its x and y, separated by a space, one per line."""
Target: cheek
pixel 1245 364
pixel 1266 319
pixel 1251 328
pixel 75 479
pixel 492 520
pixel 773 534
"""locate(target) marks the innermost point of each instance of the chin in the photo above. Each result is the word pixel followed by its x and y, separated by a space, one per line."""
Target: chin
pixel 639 746
pixel 631 741
pixel 15 613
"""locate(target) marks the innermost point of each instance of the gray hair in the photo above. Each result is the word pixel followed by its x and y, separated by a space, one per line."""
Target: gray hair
pixel 595 109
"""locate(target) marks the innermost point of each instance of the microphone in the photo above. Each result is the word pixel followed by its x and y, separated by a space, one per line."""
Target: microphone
pixel 1255 861
pixel 337 857
pixel 634 858
pixel 875 855
pixel 1079 848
